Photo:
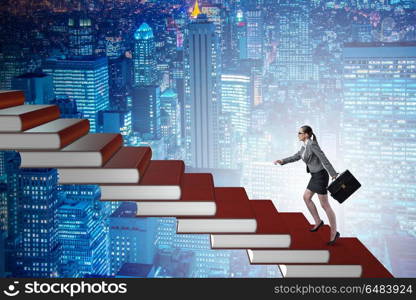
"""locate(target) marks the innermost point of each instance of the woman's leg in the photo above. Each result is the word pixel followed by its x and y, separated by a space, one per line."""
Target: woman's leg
pixel 323 198
pixel 307 197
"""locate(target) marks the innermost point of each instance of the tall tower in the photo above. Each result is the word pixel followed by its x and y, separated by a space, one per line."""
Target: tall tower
pixel 146 92
pixel 239 36
pixel 255 34
pixel 378 136
pixel 202 96
pixel 294 61
pixel 80 35
pixel 146 111
pixel 196 11
pixel 82 231
pixel 33 233
pixel 144 56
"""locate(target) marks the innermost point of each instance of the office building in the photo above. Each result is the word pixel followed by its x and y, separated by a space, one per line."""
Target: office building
pixel 377 137
pixel 202 69
pixel 38 87
pixel 146 111
pixel 144 62
pixel 83 79
pixel 132 239
pixel 81 35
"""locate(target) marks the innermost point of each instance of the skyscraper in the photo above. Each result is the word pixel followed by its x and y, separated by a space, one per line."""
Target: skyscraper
pixel 255 34
pixel 117 121
pixel 146 92
pixel 131 238
pixel 202 86
pixel 119 79
pixel 239 36
pixel 38 87
pixel 217 14
pixel 378 137
pixel 81 35
pixel 34 237
pixel 294 62
pixel 235 105
pixel 82 236
pixel 84 79
pixel 144 62
pixel 255 68
pixel 146 111
pixel 3 235
pixel 14 61
pixel 169 104
pixel 235 99
pixel 3 192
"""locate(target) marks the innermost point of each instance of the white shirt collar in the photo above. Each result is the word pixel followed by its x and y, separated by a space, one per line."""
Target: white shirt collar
pixel 307 142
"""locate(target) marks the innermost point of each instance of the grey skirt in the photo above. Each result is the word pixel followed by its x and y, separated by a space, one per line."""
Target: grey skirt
pixel 319 182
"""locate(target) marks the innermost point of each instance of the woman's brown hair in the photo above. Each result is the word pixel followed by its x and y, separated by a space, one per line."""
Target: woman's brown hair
pixel 307 129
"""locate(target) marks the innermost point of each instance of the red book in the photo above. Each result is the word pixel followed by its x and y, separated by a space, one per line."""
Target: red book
pixel 162 180
pixel 197 198
pixel 267 218
pixel 55 134
pixel 127 165
pixel 302 238
pixel 309 249
pixel 372 267
pixel 11 98
pixel 91 150
pixel 24 117
pixel 271 231
pixel 234 214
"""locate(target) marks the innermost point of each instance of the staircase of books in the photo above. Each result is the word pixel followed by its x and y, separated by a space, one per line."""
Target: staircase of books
pixel 161 188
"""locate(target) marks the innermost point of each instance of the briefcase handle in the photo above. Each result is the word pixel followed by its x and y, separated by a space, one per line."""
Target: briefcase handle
pixel 342 186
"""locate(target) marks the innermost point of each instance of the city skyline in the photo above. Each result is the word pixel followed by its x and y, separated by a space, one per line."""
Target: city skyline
pixel 223 85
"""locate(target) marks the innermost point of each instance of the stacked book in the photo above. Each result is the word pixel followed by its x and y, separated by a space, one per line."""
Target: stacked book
pixel 161 188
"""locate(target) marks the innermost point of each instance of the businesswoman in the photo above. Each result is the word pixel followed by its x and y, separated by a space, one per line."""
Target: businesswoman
pixel 318 165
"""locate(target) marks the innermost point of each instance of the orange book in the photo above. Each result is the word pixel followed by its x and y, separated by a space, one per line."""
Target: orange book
pixel 55 134
pixel 162 180
pixel 91 150
pixel 197 198
pixel 233 214
pixel 24 117
pixel 271 231
pixel 11 98
pixel 127 165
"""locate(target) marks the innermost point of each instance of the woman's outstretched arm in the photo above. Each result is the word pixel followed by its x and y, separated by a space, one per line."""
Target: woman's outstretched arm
pixel 293 158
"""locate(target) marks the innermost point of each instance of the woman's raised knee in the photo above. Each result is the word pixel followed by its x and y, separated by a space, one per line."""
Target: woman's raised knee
pixel 307 198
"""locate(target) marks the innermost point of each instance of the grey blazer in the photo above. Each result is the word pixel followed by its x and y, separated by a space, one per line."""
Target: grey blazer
pixel 314 158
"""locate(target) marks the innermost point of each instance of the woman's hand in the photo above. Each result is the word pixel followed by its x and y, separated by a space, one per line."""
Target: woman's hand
pixel 279 161
pixel 333 177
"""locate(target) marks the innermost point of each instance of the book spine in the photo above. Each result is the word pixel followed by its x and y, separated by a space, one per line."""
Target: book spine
pixel 74 132
pixel 11 98
pixel 111 148
pixel 40 116
pixel 144 162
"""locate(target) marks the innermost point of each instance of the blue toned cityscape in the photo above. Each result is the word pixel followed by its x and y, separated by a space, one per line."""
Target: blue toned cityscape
pixel 223 85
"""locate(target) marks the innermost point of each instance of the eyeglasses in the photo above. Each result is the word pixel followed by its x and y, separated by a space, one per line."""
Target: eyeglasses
pixel 300 132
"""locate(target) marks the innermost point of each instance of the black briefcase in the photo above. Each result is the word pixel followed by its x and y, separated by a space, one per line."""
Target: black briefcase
pixel 343 186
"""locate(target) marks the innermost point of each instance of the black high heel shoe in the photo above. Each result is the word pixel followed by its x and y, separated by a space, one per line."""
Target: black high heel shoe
pixel 330 243
pixel 316 229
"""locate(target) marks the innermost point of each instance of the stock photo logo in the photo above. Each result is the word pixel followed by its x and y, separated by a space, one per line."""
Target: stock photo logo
pixel 12 289
pixel 62 288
